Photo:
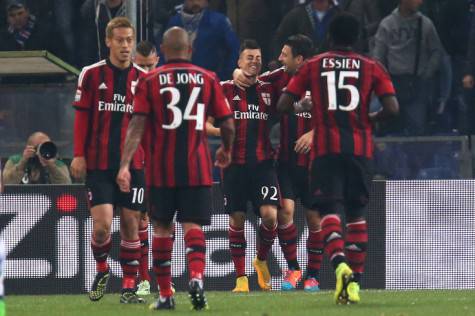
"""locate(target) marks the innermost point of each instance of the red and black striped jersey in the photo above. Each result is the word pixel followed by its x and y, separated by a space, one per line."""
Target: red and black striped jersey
pixel 106 92
pixel 252 109
pixel 178 97
pixel 292 126
pixel 341 84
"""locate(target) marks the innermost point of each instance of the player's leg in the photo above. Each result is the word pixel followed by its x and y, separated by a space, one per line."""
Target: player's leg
pixel 143 287
pixel 234 186
pixel 194 211
pixel 237 246
pixel 162 210
pixel 286 230
pixel 266 199
pixel 314 251
pixel 101 199
pixel 327 188
pixel 314 239
pixel 359 173
pixel 132 204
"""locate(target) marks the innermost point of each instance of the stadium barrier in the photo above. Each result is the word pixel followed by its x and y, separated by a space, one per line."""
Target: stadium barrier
pixel 421 236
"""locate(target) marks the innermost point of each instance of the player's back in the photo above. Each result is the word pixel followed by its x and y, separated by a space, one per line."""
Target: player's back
pixel 181 96
pixel 341 84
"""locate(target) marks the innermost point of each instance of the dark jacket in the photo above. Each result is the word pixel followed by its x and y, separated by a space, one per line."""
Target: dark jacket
pixel 216 46
pixel 300 20
pixel 40 39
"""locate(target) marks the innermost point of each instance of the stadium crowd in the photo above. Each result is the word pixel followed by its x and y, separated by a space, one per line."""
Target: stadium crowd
pixel 437 89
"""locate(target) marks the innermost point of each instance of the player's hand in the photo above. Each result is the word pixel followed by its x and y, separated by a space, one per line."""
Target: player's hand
pixel 241 80
pixel 78 168
pixel 304 105
pixel 123 179
pixel 29 152
pixel 304 143
pixel 223 158
pixel 468 82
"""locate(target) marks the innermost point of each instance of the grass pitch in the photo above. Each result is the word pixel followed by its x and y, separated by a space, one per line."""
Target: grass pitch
pixel 374 302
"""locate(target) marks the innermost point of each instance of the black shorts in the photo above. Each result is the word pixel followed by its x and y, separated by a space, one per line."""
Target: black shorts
pixel 255 183
pixel 341 181
pixel 294 182
pixel 102 189
pixel 193 204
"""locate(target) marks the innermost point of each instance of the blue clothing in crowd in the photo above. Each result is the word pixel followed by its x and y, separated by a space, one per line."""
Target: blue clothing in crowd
pixel 216 46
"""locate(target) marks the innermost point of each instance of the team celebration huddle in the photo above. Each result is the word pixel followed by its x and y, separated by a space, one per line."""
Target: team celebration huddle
pixel 141 143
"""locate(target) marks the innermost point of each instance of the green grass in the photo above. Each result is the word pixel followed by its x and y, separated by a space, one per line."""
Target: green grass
pixel 378 303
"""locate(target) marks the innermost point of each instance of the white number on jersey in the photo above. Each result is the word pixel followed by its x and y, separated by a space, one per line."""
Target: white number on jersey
pixel 178 116
pixel 332 90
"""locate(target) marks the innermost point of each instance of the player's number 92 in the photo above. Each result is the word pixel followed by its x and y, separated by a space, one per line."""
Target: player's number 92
pixel 272 190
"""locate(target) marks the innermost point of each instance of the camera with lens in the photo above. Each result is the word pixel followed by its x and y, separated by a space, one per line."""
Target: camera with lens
pixel 47 150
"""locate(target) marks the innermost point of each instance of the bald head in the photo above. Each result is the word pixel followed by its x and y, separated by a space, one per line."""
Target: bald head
pixel 176 44
pixel 37 138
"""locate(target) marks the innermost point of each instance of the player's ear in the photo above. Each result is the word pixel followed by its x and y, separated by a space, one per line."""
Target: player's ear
pixel 108 42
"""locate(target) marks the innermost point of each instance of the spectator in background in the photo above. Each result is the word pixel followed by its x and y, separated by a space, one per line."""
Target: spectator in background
pixel 254 19
pixel 95 15
pixel 311 20
pixel 408 45
pixel 24 31
pixel 469 77
pixel 215 45
pixel 36 165
pixel 368 15
pixel 387 6
pixel 162 11
pixel 146 56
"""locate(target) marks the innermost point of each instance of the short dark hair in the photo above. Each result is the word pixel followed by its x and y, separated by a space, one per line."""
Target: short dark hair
pixel 344 29
pixel 145 48
pixel 248 44
pixel 118 22
pixel 300 45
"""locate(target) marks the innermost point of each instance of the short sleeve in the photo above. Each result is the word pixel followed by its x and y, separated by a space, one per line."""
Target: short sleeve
pixel 84 92
pixel 382 83
pixel 141 98
pixel 219 106
pixel 299 82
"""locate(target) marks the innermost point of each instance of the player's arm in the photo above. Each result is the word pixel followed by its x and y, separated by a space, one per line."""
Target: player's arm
pixel 211 130
pixel 135 132
pixel 82 104
pixel 133 139
pixel 290 101
pixel 223 154
pixel 384 89
pixel 221 111
pixel 390 109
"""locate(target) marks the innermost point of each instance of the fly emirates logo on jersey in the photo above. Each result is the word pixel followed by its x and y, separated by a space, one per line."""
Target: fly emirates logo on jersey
pixel 117 105
pixel 254 111
pixel 305 115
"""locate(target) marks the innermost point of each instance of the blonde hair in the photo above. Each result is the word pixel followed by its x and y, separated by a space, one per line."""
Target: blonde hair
pixel 116 23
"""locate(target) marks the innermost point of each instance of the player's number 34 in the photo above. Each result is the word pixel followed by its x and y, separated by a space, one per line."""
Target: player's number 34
pixel 178 116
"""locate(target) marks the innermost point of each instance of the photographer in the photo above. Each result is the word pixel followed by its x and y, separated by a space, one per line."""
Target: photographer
pixel 37 165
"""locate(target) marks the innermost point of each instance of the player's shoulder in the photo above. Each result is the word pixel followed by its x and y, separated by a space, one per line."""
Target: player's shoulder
pixel 272 75
pixel 87 70
pixel 141 71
